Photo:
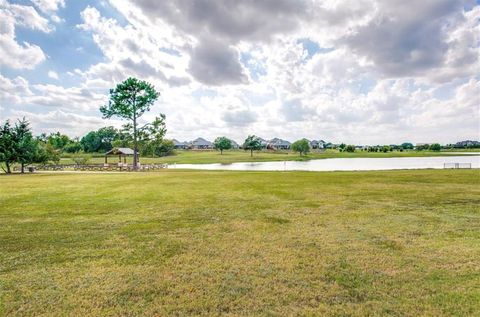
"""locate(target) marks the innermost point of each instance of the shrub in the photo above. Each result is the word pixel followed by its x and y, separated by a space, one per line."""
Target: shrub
pixel 82 158
pixel 73 147
pixel 435 147
pixel 350 148
pixel 165 148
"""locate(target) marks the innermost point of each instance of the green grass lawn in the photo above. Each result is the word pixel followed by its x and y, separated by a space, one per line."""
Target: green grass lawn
pixel 201 157
pixel 402 243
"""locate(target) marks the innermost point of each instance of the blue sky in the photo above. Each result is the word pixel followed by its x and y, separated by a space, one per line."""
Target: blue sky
pixel 338 71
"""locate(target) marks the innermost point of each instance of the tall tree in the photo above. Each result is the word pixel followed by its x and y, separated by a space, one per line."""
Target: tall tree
pixel 222 143
pixel 7 146
pixel 252 143
pixel 26 146
pixel 129 101
pixel 17 145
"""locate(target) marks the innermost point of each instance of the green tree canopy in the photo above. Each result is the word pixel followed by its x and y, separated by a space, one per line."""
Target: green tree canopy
pixel 129 101
pixel 252 143
pixel 407 146
pixel 73 147
pixel 222 143
pixel 7 146
pixel 301 146
pixel 166 147
pixel 350 148
pixel 150 136
pixel 100 140
pixel 26 146
pixel 58 140
pixel 435 147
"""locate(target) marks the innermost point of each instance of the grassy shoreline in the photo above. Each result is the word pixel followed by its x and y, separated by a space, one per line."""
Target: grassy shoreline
pixel 205 157
pixel 240 243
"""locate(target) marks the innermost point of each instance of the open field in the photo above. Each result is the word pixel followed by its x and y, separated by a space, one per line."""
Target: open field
pixel 403 243
pixel 200 157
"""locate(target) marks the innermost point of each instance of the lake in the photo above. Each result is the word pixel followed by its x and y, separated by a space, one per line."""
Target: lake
pixel 340 164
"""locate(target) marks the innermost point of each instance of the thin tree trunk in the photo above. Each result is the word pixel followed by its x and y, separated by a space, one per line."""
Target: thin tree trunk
pixel 135 143
pixel 7 164
pixel 23 168
pixel 251 152
pixel 221 152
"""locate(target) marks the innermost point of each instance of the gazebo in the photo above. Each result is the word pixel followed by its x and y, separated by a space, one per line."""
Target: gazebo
pixel 121 152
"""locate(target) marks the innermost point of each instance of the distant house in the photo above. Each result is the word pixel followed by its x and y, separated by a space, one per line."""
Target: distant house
pixel 278 144
pixel 235 145
pixel 201 144
pixel 263 142
pixel 317 144
pixel 420 146
pixel 179 145
pixel 467 144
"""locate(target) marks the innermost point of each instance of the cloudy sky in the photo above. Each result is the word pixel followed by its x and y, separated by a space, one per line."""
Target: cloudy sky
pixel 360 71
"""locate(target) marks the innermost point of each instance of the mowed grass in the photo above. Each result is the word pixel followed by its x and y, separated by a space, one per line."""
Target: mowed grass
pixel 211 156
pixel 401 243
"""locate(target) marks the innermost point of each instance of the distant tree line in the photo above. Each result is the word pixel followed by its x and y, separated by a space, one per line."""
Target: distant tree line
pixel 151 141
pixel 19 146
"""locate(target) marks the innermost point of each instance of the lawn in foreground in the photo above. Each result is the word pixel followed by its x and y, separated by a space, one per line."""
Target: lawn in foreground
pixel 240 243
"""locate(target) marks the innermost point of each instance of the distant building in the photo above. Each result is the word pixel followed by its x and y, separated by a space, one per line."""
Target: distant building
pixel 179 145
pixel 235 145
pixel 201 144
pixel 317 144
pixel 467 144
pixel 422 146
pixel 278 144
pixel 263 142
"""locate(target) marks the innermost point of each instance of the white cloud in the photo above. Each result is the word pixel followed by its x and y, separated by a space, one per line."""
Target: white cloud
pixel 20 55
pixel 18 92
pixel 59 120
pixel 382 72
pixel 52 74
pixel 49 5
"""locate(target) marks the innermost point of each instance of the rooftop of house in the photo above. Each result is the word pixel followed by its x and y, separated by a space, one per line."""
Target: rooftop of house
pixel 201 141
pixel 278 141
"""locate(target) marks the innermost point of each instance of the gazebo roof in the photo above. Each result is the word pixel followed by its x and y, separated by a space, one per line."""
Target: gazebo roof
pixel 120 151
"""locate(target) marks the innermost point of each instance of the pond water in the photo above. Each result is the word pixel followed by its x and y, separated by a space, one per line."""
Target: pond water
pixel 341 164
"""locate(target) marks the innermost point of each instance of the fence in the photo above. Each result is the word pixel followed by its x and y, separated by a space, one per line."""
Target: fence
pixel 457 165
pixel 101 167
pixel 120 167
